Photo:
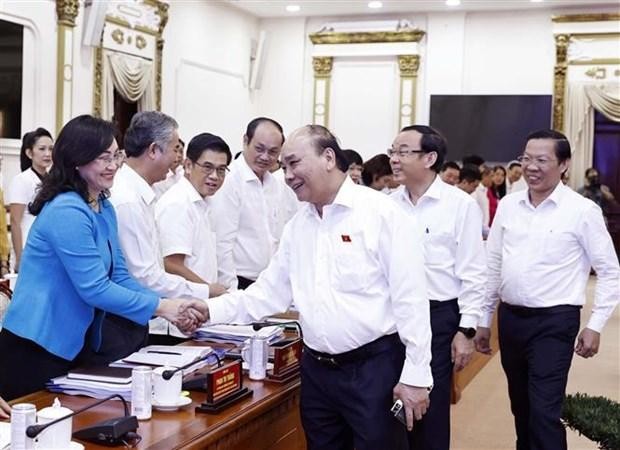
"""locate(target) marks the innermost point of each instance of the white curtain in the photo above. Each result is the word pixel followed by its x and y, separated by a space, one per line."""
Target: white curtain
pixel 582 99
pixel 133 79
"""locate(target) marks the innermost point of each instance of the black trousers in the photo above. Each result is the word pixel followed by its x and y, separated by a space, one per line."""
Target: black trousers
pixel 26 366
pixel 433 431
pixel 536 348
pixel 244 283
pixel 347 405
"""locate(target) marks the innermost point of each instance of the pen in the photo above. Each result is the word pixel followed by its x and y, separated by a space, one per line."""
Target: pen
pixel 163 353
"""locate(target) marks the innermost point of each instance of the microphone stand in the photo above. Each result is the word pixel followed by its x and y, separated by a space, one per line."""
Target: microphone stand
pixel 114 431
pixel 256 326
pixel 167 374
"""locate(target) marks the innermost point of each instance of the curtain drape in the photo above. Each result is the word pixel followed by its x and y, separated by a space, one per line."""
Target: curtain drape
pixel 133 79
pixel 582 99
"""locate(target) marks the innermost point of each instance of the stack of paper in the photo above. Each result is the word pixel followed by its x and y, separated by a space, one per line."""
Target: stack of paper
pixel 166 355
pixel 236 334
pixel 70 385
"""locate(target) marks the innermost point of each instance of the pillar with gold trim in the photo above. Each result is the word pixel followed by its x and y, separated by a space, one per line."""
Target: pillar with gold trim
pixel 559 80
pixel 66 12
pixel 322 73
pixel 408 65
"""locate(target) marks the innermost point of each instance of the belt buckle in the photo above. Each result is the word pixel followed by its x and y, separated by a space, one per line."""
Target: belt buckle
pixel 329 360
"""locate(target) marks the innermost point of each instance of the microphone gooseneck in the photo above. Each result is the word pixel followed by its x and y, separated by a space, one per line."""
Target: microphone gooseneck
pixel 256 326
pixel 33 430
pixel 167 374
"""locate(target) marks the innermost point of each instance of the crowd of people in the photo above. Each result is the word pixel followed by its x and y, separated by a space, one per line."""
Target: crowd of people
pixel 384 260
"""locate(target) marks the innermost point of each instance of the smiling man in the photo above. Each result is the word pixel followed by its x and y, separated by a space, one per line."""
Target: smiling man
pixel 247 211
pixel 540 249
pixel 186 238
pixel 355 271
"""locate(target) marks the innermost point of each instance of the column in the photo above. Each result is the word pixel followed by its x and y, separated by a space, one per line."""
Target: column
pixel 408 65
pixel 322 74
pixel 66 12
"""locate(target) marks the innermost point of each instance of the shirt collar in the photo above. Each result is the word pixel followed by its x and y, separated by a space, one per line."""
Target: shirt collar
pixel 555 196
pixel 344 197
pixel 143 189
pixel 433 192
pixel 247 174
pixel 190 190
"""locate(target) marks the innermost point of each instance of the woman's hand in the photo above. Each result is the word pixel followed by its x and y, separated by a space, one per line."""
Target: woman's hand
pixel 5 409
pixel 187 315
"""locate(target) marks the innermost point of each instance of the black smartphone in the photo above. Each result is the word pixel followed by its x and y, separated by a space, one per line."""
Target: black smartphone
pixel 398 410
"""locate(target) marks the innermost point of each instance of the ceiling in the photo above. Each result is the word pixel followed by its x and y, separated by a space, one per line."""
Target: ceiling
pixel 277 8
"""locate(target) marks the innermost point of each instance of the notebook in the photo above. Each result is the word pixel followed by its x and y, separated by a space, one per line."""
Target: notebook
pixel 115 375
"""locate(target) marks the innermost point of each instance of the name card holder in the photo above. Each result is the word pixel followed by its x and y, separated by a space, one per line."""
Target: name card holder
pixel 286 362
pixel 224 386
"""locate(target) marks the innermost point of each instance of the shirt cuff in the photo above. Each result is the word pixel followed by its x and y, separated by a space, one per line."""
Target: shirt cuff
pixel 218 311
pixel 596 322
pixel 469 321
pixel 200 290
pixel 486 320
pixel 416 375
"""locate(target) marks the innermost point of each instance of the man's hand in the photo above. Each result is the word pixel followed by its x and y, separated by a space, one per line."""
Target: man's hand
pixel 588 342
pixel 415 400
pixel 187 315
pixel 462 349
pixel 483 340
pixel 216 289
pixel 5 409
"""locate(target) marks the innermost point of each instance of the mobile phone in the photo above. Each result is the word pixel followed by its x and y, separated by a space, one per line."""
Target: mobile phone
pixel 398 410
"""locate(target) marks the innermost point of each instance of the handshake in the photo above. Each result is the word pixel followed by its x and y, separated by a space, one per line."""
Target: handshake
pixel 186 315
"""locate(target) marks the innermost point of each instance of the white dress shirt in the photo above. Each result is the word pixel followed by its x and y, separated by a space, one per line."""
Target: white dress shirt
pixel 288 204
pixel 519 185
pixel 541 256
pixel 450 222
pixel 22 191
pixel 171 179
pixel 182 218
pixel 356 274
pixel 245 218
pixel 134 202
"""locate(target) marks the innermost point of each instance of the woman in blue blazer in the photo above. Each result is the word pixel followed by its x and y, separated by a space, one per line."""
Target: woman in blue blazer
pixel 72 267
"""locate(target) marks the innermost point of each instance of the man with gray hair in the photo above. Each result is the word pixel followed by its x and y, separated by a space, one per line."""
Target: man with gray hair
pixel 150 143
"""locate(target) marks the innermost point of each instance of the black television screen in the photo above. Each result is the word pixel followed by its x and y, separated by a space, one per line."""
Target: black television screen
pixel 492 126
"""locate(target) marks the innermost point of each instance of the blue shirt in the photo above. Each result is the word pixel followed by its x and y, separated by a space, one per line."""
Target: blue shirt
pixel 72 264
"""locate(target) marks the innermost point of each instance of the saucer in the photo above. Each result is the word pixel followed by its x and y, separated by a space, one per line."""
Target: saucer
pixel 181 401
pixel 72 446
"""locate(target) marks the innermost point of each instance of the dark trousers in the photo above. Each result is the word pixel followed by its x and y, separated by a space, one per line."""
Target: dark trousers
pixel 433 431
pixel 347 405
pixel 244 283
pixel 536 348
pixel 26 366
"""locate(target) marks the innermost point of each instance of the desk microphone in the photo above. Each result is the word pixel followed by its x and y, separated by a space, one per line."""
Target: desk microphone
pixel 109 432
pixel 167 374
pixel 260 325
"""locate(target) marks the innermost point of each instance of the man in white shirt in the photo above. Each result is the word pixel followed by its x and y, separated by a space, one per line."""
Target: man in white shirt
pixel 186 238
pixel 449 221
pixel 469 179
pixel 150 142
pixel 355 271
pixel 246 210
pixel 514 178
pixel 540 249
pixel 481 196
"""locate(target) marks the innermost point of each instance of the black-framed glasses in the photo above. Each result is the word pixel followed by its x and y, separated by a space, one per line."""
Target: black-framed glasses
pixel 402 153
pixel 208 169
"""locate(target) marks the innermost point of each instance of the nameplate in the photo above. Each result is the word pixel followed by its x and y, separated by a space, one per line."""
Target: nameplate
pixel 286 361
pixel 224 386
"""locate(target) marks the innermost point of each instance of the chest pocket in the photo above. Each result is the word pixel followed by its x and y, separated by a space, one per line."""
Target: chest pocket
pixel 438 248
pixel 353 265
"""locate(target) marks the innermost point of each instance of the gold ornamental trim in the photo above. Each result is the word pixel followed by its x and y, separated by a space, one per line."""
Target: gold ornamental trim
pixel 408 65
pixel 366 37
pixel 123 23
pixel 67 11
pixel 97 91
pixel 559 80
pixel 322 66
pixel 590 62
pixel 585 18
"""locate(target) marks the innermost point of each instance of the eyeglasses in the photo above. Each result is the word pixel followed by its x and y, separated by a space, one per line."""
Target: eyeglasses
pixel 540 162
pixel 208 169
pixel 403 153
pixel 272 152
pixel 109 158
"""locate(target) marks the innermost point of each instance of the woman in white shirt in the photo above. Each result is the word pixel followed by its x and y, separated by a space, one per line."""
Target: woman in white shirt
pixel 35 159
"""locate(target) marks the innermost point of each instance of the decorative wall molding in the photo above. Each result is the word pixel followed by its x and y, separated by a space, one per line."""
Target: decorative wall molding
pixel 322 83
pixel 367 37
pixel 408 66
pixel 585 18
pixel 66 12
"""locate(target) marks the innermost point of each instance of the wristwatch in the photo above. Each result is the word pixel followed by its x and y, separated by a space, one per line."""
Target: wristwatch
pixel 468 332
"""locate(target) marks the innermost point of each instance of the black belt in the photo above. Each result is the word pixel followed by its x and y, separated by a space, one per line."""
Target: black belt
pixel 442 303
pixel 529 311
pixel 359 354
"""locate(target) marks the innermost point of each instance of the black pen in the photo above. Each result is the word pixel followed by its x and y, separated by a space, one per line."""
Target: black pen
pixel 163 353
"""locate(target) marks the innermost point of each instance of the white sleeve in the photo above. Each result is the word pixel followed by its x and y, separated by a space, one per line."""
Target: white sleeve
pixel 19 191
pixel 175 228
pixel 494 267
pixel 225 216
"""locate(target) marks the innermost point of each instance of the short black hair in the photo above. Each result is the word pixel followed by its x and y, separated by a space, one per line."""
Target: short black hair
pixel 431 141
pixel 562 146
pixel 475 160
pixel 254 123
pixel 450 165
pixel 353 157
pixel 469 173
pixel 376 167
pixel 512 164
pixel 28 142
pixel 322 139
pixel 207 141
